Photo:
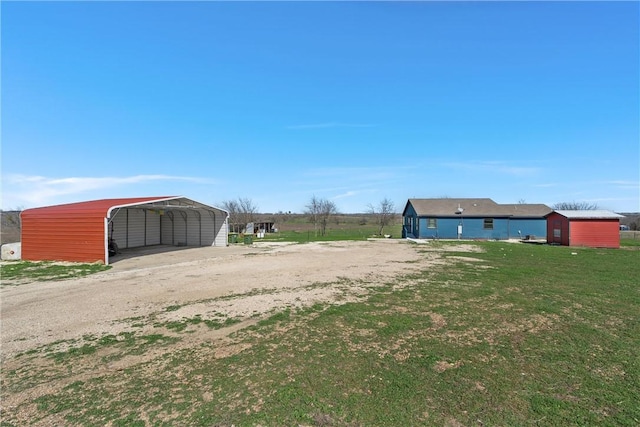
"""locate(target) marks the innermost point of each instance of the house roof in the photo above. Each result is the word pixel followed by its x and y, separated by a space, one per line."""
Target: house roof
pixel 482 207
pixel 589 214
pixel 104 207
pixel 527 210
pixel 449 207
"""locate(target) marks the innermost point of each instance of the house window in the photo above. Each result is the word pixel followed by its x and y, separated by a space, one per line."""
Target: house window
pixel 488 224
pixel 431 223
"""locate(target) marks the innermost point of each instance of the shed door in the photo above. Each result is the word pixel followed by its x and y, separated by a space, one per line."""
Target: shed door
pixel 557 231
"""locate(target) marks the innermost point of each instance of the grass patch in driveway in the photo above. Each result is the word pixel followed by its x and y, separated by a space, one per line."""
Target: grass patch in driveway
pixel 59 361
pixel 510 334
pixel 18 272
pixel 182 324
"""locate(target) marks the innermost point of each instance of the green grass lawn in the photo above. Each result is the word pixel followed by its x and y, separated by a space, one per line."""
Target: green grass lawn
pixel 333 233
pixel 630 240
pixel 514 335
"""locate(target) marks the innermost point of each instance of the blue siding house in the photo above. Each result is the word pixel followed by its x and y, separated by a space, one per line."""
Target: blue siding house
pixel 473 219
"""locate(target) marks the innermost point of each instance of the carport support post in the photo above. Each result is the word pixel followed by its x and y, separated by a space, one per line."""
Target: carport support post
pixel 106 241
pixel 226 223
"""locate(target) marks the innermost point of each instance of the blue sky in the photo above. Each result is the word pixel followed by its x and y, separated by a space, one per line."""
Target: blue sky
pixel 348 101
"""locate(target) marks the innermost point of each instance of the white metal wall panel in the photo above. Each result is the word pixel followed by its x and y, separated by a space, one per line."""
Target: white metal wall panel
pixel 153 228
pixel 208 231
pixel 119 226
pixel 217 233
pixel 193 228
pixel 166 225
pixel 221 230
pixel 179 229
pixel 135 228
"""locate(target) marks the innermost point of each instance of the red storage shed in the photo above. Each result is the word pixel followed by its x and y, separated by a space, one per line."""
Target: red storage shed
pixel 80 232
pixel 592 228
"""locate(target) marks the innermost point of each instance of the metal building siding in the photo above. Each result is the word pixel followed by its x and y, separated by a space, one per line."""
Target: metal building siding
pixel 208 230
pixel 222 232
pixel 591 232
pixel 194 228
pixel 70 232
pixel 166 230
pixel 80 231
pixel 596 233
pixel 136 228
pixel 204 229
pixel 62 237
pixel 213 230
pixel 152 232
pixel 118 229
pixel 216 230
pixel 179 230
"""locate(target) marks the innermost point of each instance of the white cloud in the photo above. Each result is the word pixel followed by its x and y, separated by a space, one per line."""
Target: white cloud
pixel 29 190
pixel 631 185
pixel 348 194
pixel 345 195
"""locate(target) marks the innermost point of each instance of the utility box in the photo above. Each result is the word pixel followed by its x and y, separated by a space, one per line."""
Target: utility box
pixel 11 251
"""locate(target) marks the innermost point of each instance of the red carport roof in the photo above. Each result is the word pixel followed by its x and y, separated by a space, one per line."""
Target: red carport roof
pixel 95 207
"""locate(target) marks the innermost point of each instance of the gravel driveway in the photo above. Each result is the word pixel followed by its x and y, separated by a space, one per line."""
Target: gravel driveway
pixel 254 280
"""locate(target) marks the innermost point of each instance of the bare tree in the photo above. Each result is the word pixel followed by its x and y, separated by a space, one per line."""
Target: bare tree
pixel 232 207
pixel 248 210
pixel 327 209
pixel 384 213
pixel 241 212
pixel 320 211
pixel 575 206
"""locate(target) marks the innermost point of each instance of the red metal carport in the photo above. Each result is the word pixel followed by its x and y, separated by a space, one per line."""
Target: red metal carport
pixel 80 232
pixel 592 228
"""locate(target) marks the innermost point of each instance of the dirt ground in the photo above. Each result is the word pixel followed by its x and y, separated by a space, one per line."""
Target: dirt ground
pixel 142 290
pixel 255 280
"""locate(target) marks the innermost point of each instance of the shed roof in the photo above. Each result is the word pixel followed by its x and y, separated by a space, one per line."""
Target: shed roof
pixel 482 207
pixel 589 214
